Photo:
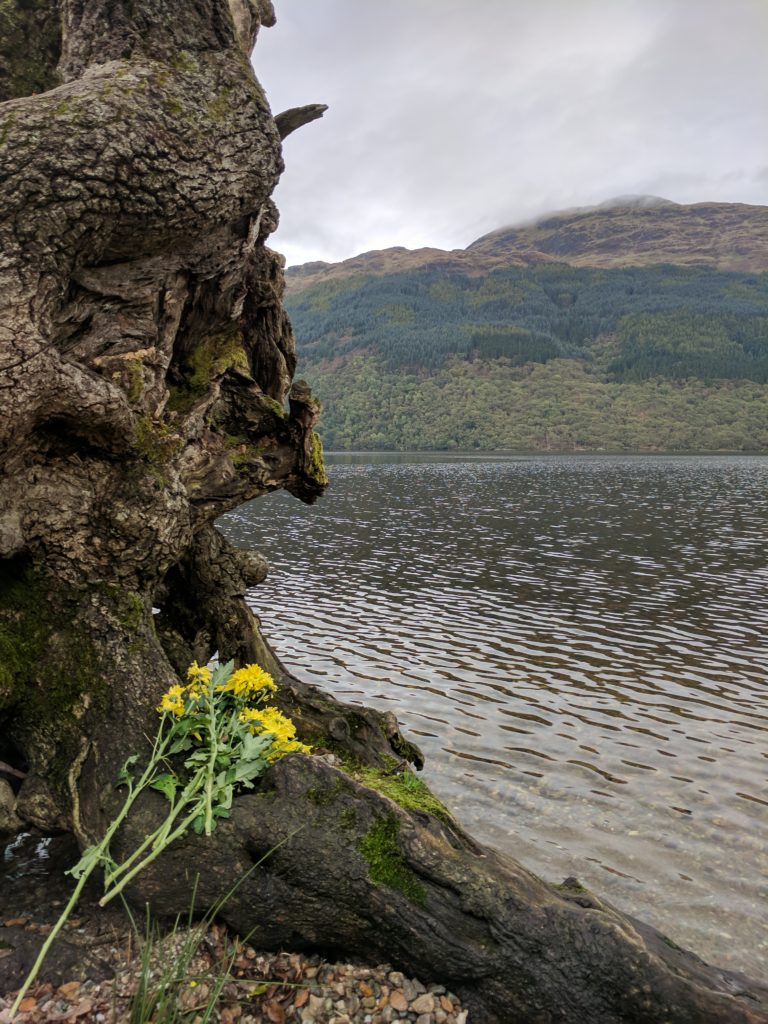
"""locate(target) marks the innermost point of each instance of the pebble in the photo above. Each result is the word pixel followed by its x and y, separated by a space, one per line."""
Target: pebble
pixel 409 990
pixel 424 1004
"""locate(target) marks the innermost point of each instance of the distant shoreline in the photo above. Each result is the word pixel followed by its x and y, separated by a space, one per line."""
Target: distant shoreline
pixel 479 452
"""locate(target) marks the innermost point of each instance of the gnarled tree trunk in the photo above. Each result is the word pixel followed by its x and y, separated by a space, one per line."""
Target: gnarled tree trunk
pixel 145 363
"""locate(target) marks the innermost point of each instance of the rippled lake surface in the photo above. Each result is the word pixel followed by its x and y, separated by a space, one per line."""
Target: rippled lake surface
pixel 579 644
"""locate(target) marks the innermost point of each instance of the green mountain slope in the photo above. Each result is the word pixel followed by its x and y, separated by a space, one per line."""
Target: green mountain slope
pixel 589 344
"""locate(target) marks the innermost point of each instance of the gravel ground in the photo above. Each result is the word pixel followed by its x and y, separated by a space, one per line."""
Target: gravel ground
pixel 244 986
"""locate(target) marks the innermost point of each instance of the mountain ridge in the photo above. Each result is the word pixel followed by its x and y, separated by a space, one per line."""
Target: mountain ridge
pixel 625 231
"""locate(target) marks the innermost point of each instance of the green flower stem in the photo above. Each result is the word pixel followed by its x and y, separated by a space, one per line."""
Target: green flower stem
pixel 158 752
pixel 160 835
pixel 158 839
pixel 213 755
pixel 51 937
pixel 176 834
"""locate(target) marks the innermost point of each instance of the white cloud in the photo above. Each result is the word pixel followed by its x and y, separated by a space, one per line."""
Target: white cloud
pixel 448 119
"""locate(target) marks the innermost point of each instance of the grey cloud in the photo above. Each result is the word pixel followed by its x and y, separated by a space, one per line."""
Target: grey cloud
pixel 447 120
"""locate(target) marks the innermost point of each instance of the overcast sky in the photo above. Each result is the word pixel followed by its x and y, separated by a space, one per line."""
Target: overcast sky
pixel 449 118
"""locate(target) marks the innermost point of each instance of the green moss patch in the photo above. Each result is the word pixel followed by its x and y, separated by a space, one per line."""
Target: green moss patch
pixel 405 789
pixel 380 849
pixel 210 359
pixel 316 465
pixel 274 406
pixel 155 442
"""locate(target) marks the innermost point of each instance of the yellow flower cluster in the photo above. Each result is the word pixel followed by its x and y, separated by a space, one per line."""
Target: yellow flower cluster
pixel 270 720
pixel 251 682
pixel 248 681
pixel 199 677
pixel 173 701
pixel 198 673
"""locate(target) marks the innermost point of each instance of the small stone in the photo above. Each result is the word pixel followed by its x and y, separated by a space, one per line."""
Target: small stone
pixel 424 1004
pixel 365 988
pixel 409 990
pixel 396 978
pixel 440 1016
pixel 418 986
pixel 369 1003
pixel 461 1018
pixel 446 1004
pixel 399 1000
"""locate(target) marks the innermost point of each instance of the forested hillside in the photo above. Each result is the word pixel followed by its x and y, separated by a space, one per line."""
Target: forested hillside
pixel 408 350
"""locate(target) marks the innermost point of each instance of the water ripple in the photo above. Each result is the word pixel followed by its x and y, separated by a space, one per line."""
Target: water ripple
pixel 579 646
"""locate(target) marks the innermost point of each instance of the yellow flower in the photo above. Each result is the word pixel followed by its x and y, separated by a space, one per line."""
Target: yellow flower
pixel 248 681
pixel 172 701
pixel 292 747
pixel 271 720
pixel 199 676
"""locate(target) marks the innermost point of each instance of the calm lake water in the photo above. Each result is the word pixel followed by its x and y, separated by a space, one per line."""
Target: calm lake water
pixel 579 644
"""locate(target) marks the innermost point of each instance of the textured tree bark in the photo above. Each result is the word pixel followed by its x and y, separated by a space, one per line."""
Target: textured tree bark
pixel 145 366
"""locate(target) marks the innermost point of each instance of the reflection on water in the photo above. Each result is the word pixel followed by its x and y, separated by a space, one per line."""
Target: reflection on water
pixel 580 646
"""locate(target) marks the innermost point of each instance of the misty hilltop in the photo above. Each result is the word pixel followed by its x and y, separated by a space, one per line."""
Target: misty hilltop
pixel 641 231
pixel 625 231
pixel 639 323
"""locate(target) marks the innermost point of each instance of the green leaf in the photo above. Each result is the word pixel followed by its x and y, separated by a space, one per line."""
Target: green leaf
pixel 254 745
pixel 222 673
pixel 190 724
pixel 179 746
pixel 248 770
pixel 166 784
pixel 90 858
